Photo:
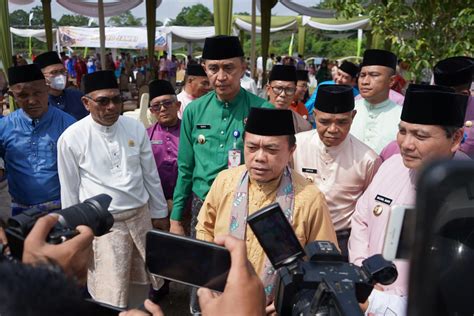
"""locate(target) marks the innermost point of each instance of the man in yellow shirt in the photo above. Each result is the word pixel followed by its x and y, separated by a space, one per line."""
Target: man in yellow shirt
pixel 269 143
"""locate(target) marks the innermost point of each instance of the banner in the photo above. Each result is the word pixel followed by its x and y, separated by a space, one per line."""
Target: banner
pixel 115 37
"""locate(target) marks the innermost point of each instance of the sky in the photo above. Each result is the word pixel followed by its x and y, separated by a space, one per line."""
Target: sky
pixel 171 8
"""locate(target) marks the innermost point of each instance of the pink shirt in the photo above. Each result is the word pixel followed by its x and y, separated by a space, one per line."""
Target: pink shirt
pixel 468 145
pixel 342 173
pixel 185 98
pixel 393 95
pixel 393 182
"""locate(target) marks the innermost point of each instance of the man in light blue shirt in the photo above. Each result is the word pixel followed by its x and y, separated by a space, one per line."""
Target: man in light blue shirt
pixel 28 139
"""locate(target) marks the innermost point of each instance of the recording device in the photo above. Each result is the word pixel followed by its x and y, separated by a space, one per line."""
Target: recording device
pixel 441 278
pixel 186 260
pixel 399 236
pixel 324 284
pixel 92 212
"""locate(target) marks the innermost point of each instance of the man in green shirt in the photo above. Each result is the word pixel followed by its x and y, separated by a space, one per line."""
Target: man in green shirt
pixel 212 127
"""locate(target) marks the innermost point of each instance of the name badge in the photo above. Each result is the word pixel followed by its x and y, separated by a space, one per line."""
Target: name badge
pixel 308 170
pixel 203 126
pixel 383 199
pixel 234 158
pixel 157 142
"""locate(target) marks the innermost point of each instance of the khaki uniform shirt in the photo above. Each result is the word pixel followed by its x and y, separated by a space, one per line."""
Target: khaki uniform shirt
pixel 311 220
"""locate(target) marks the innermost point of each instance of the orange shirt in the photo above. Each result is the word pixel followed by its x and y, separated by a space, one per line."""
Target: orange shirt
pixel 299 108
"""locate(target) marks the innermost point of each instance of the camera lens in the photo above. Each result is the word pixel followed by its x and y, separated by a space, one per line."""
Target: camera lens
pixel 92 212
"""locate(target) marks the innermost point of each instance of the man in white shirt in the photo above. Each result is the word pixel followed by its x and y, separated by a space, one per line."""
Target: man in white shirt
pixel 109 153
pixel 376 123
pixel 339 164
pixel 196 85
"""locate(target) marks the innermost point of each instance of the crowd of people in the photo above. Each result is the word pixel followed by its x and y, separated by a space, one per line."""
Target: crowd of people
pixel 336 160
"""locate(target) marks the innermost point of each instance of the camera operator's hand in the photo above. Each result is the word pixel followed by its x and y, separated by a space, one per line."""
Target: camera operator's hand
pixel 72 255
pixel 243 293
pixel 153 308
pixel 176 227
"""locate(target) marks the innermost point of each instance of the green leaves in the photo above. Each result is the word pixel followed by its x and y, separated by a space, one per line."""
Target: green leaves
pixel 420 32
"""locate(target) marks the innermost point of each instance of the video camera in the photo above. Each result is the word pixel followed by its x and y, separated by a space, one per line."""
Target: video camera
pixel 92 212
pixel 324 284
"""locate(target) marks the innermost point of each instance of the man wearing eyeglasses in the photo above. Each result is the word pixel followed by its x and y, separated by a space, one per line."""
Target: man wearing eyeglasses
pixel 281 88
pixel 68 100
pixel 212 128
pixel 164 136
pixel 109 153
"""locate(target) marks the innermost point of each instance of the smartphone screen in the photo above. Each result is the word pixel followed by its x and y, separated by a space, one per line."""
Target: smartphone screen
pixel 185 260
pixel 407 234
pixel 399 236
pixel 275 235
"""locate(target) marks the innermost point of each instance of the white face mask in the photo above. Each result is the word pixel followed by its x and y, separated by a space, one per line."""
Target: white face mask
pixel 58 82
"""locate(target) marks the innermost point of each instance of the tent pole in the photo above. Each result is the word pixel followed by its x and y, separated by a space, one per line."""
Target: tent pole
pixel 254 44
pixel 48 23
pixel 102 33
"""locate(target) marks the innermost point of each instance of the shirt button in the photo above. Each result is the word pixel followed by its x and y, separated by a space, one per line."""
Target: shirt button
pixel 225 118
pixel 221 146
pixel 222 132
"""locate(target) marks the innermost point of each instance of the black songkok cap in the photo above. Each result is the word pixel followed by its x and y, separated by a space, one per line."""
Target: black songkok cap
pixel 25 73
pixel 222 47
pixel 99 80
pixel 433 105
pixel 159 88
pixel 302 75
pixel 270 122
pixel 283 73
pixel 195 70
pixel 454 71
pixel 47 59
pixel 379 57
pixel 334 98
pixel 349 68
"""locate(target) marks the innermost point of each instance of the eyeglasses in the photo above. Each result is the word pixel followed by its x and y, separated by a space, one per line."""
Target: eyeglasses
pixel 279 90
pixel 157 106
pixel 303 86
pixel 104 101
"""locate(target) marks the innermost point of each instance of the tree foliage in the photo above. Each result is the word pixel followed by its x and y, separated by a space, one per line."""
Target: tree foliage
pixel 38 19
pixel 125 19
pixel 19 18
pixel 419 31
pixel 196 15
pixel 74 20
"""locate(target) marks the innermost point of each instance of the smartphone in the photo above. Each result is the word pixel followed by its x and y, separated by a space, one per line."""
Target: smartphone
pixel 275 235
pixel 186 260
pixel 399 236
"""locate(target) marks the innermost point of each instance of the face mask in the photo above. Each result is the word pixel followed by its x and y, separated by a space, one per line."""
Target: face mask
pixel 58 82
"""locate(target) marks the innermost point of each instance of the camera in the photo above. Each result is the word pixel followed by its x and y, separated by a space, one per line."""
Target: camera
pixel 93 212
pixel 324 284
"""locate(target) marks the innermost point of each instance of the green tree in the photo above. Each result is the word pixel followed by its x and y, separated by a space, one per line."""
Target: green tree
pixel 19 18
pixel 74 20
pixel 125 19
pixel 419 31
pixel 38 20
pixel 196 15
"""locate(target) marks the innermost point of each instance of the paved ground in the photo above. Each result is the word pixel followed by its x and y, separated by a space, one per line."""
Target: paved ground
pixel 176 303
